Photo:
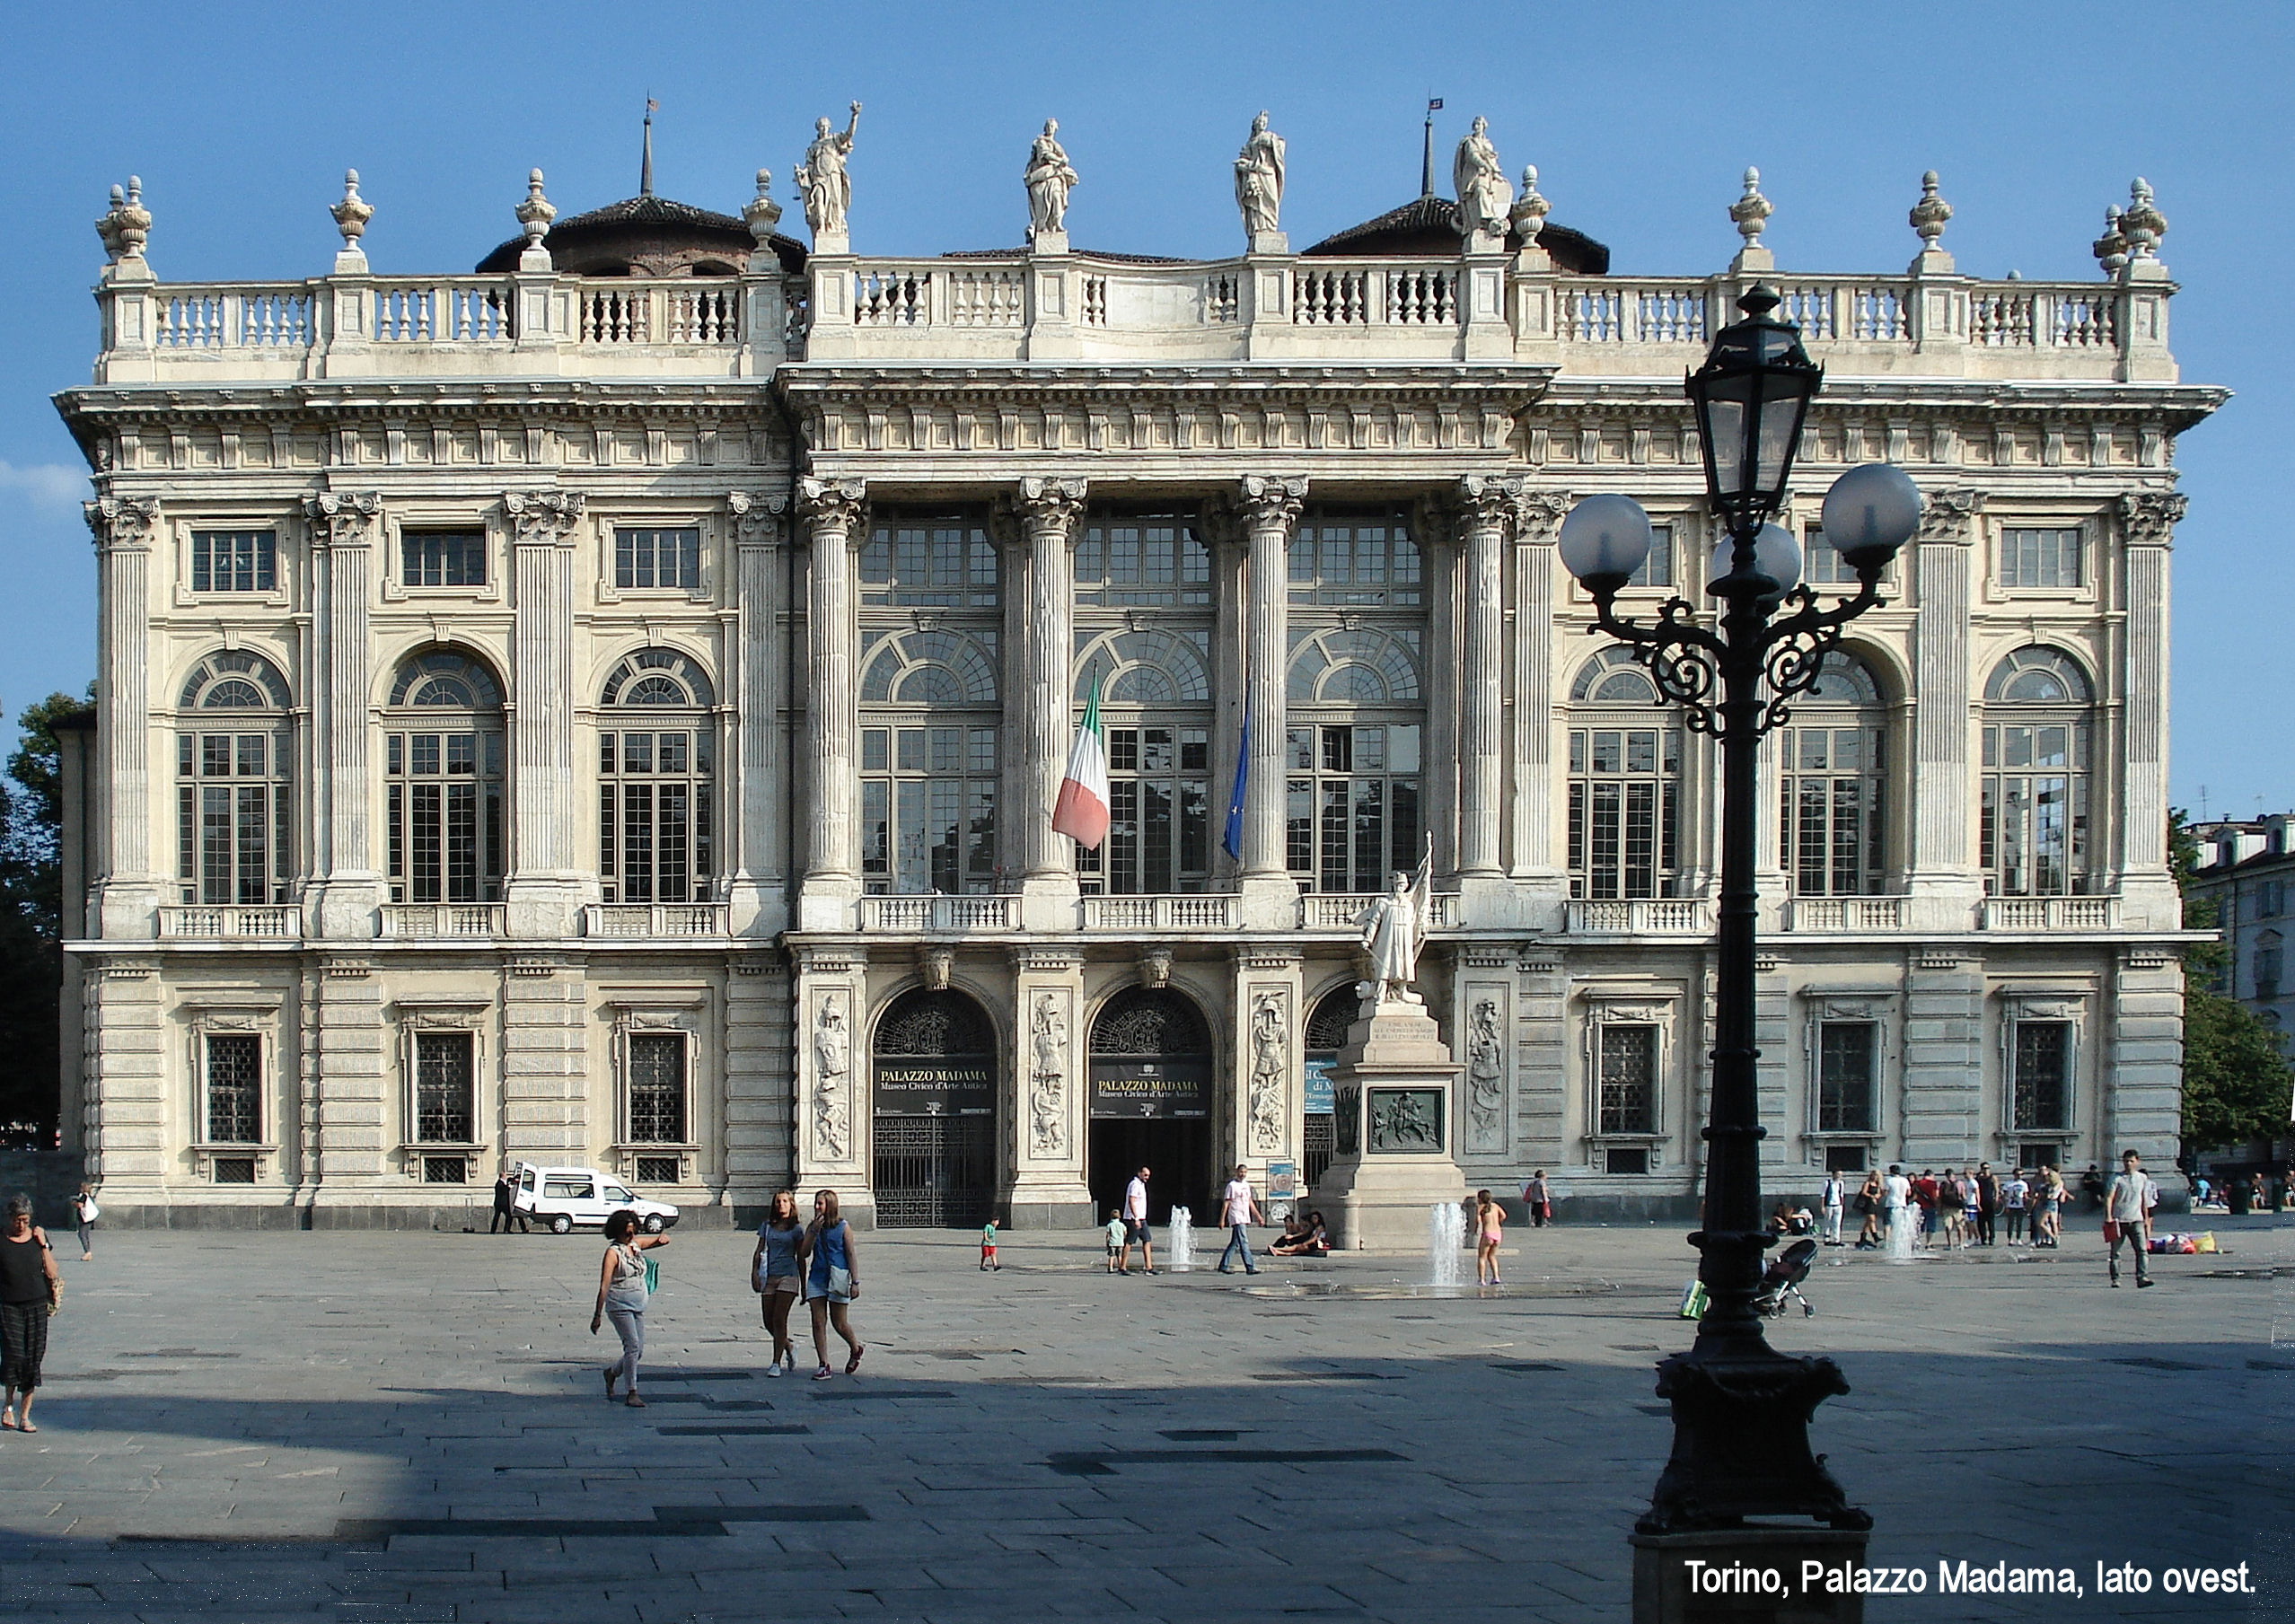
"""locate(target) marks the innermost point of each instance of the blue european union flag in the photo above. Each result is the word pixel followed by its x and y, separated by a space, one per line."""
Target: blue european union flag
pixel 1234 839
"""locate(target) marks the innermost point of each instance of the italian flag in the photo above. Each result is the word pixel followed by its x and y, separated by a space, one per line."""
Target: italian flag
pixel 1081 810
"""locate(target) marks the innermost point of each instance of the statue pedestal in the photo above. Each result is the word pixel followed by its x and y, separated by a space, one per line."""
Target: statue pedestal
pixel 1391 1088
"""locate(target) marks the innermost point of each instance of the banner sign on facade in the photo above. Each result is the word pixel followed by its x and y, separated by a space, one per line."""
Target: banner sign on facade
pixel 936 1088
pixel 1152 1089
pixel 1317 1101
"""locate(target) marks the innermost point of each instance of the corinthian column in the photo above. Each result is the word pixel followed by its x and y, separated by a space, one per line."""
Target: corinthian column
pixel 127 885
pixel 1048 511
pixel 1269 508
pixel 544 892
pixel 342 548
pixel 1486 507
pixel 2148 522
pixel 757 766
pixel 834 522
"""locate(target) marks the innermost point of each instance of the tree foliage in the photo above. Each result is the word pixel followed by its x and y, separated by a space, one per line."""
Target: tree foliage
pixel 2238 1087
pixel 32 897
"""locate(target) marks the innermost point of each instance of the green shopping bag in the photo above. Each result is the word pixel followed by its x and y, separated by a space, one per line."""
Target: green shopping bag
pixel 1693 1301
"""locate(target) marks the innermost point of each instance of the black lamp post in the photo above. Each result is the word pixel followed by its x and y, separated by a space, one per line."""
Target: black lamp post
pixel 1741 1409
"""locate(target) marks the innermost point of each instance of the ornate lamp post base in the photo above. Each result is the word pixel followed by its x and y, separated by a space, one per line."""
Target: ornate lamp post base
pixel 1741 1442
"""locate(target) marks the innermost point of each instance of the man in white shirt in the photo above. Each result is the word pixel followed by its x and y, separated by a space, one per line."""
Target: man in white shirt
pixel 2127 1216
pixel 1238 1210
pixel 2014 1194
pixel 1897 1189
pixel 1836 1197
pixel 1135 1226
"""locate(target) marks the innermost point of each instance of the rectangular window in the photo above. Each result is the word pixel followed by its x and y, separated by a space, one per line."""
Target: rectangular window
pixel 233 819
pixel 1357 821
pixel 1125 563
pixel 1627 1058
pixel 1846 1053
pixel 646 559
pixel 1831 808
pixel 445 1075
pixel 443 808
pixel 928 564
pixel 2032 830
pixel 234 1088
pixel 2040 558
pixel 1356 561
pixel 233 561
pixel 657 1088
pixel 1623 786
pixel 444 557
pixel 2040 1085
pixel 928 810
pixel 1159 813
pixel 1658 568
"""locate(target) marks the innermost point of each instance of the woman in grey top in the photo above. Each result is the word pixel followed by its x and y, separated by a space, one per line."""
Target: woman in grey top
pixel 622 1297
pixel 775 1271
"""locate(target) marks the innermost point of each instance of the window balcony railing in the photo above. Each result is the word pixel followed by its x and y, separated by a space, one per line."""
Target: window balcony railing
pixel 2051 913
pixel 1831 914
pixel 1656 917
pixel 428 921
pixel 1216 912
pixel 639 920
pixel 938 914
pixel 1339 909
pixel 229 924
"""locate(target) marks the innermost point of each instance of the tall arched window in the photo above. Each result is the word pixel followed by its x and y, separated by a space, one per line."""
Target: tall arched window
pixel 2033 833
pixel 928 761
pixel 234 771
pixel 1832 780
pixel 656 763
pixel 443 780
pixel 1156 703
pixel 1351 790
pixel 1625 771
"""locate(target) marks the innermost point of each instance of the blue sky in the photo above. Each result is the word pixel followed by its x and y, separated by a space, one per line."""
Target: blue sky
pixel 240 120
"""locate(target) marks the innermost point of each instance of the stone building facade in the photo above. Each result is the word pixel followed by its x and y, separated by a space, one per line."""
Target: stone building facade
pixel 607 710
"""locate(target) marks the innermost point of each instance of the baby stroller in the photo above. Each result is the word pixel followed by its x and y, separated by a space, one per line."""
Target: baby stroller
pixel 1783 1279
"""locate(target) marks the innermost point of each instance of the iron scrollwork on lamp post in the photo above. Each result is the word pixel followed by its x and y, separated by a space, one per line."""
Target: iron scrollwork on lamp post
pixel 1741 1409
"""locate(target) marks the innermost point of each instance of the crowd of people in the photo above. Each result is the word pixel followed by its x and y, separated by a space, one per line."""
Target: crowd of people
pixel 1946 1209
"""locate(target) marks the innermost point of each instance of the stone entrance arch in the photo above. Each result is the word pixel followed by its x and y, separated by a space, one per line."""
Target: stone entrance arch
pixel 1152 1069
pixel 932 1110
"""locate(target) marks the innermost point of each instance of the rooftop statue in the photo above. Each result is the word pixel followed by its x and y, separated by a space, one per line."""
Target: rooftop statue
pixel 1258 179
pixel 1484 196
pixel 1048 177
pixel 820 178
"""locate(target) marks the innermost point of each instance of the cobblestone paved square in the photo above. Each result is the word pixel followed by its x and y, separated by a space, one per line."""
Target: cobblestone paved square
pixel 411 1427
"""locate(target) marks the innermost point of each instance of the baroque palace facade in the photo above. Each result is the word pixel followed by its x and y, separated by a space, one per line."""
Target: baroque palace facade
pixel 605 710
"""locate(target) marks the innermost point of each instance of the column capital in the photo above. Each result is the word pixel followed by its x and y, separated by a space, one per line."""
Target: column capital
pixel 1486 502
pixel 342 518
pixel 1048 504
pixel 1270 501
pixel 832 503
pixel 757 517
pixel 542 518
pixel 1950 515
pixel 2149 517
pixel 1539 514
pixel 121 523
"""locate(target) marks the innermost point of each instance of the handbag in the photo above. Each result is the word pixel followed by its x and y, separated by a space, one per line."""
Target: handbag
pixel 89 1211
pixel 841 1283
pixel 653 1276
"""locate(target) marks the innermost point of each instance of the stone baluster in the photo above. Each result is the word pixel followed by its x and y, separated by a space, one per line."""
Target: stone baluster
pixel 126 886
pixel 835 520
pixel 342 553
pixel 2147 522
pixel 1048 511
pixel 756 760
pixel 1943 881
pixel 1486 508
pixel 1270 507
pixel 1537 521
pixel 544 892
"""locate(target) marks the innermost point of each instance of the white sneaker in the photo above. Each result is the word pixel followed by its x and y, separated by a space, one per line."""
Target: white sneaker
pixel 772 1370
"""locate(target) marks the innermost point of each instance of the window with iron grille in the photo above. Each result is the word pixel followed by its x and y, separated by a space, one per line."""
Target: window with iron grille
pixel 2037 557
pixel 1627 1055
pixel 445 1077
pixel 657 1090
pixel 233 561
pixel 234 1088
pixel 2040 1088
pixel 657 1170
pixel 445 1170
pixel 235 1169
pixel 648 558
pixel 1846 1084
pixel 443 558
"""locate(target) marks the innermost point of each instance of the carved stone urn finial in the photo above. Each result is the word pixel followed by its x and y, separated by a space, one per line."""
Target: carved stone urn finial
pixel 761 212
pixel 2142 224
pixel 126 226
pixel 352 214
pixel 535 214
pixel 1752 211
pixel 1928 217
pixel 2111 249
pixel 1528 215
pixel 108 225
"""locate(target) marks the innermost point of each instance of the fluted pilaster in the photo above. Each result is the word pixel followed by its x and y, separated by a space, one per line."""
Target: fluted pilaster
pixel 546 875
pixel 127 887
pixel 342 526
pixel 2147 522
pixel 757 765
pixel 1943 827
pixel 1537 521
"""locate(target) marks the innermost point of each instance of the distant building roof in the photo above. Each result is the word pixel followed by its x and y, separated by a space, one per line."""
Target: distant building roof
pixel 1430 225
pixel 649 236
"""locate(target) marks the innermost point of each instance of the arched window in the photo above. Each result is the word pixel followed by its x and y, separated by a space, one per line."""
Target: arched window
pixel 443 780
pixel 1625 771
pixel 1351 788
pixel 656 764
pixel 1832 779
pixel 1156 704
pixel 2033 829
pixel 234 770
pixel 928 760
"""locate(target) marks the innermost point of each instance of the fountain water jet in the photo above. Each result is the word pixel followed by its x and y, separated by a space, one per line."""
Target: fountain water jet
pixel 1179 1248
pixel 1445 1241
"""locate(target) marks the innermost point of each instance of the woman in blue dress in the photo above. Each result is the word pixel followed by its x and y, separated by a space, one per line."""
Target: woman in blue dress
pixel 831 1281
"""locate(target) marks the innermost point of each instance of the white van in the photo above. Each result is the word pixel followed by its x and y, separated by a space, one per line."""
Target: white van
pixel 567 1196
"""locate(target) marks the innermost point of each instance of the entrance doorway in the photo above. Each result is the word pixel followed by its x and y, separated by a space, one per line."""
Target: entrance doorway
pixel 933 1112
pixel 1151 1103
pixel 1326 1035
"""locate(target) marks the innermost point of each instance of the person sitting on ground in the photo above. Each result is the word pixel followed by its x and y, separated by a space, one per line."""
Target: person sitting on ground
pixel 1295 1236
pixel 1318 1239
